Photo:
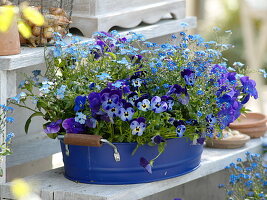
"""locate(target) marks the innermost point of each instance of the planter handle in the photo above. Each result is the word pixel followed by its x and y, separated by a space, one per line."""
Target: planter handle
pixel 87 140
pixel 82 140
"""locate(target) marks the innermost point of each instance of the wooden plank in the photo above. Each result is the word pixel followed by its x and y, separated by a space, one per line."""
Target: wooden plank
pixel 53 182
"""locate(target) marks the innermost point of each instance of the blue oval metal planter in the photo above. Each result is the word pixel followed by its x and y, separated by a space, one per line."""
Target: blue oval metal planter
pixel 96 165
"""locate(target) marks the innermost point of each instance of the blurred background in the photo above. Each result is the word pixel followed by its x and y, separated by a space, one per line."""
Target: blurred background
pixel 247 20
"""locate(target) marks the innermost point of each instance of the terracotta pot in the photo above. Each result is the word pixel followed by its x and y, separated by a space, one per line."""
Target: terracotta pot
pixel 9 41
pixel 252 124
pixel 231 142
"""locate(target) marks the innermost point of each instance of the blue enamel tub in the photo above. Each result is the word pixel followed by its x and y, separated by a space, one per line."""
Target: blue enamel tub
pixel 96 165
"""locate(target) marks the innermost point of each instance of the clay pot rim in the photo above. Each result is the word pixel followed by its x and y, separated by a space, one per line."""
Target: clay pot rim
pixel 251 124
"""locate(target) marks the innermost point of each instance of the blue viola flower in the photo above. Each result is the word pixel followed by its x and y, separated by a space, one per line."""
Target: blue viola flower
pixel 138 126
pixel 113 110
pixel 71 126
pixel 189 76
pixel 157 139
pixel 103 76
pixel 136 81
pixel 18 97
pixel 79 103
pixel 126 112
pixel 94 101
pixel 180 127
pixel 80 118
pixel 249 86
pixel 211 119
pixel 53 127
pixel 143 104
pixel 145 164
pixel 91 122
pixel 169 100
pixel 132 97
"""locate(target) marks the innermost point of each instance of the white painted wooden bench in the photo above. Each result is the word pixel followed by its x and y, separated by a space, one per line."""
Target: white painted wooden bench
pixel 35 150
pixel 51 185
pixel 90 16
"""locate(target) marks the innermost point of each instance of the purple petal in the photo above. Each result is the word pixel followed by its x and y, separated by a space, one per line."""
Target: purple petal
pixel 145 164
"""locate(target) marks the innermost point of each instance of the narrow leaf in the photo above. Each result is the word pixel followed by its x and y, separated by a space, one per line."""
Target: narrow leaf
pixel 29 120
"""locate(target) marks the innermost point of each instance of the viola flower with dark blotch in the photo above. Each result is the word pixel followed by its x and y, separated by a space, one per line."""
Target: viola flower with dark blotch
pixel 157 105
pixel 126 112
pixel 169 100
pixel 136 81
pixel 146 165
pixel 79 103
pixel 180 127
pixel 94 101
pixel 71 126
pixel 189 76
pixel 53 127
pixel 113 110
pixel 138 126
pixel 132 97
pixel 143 104
pixel 109 98
pixel 157 139
pixel 211 119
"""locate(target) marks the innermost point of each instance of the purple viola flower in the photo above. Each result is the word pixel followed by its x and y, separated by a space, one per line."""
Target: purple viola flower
pixel 145 164
pixel 91 122
pixel 169 101
pixel 53 127
pixel 180 92
pixel 79 103
pixel 71 126
pixel 132 97
pixel 138 126
pixel 157 139
pixel 201 140
pixel 249 86
pixel 110 98
pixel 157 105
pixel 180 127
pixel 94 101
pixel 211 119
pixel 189 76
pixel 100 115
pixel 126 112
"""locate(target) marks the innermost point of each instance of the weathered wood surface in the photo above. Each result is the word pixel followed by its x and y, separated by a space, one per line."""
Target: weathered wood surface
pixel 102 18
pixel 53 186
pixel 35 56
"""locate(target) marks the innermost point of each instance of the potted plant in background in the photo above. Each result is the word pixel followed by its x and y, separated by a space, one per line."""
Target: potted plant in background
pixel 154 104
pixel 247 179
pixel 11 23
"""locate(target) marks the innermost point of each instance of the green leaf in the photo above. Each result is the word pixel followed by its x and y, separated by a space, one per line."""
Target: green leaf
pixel 29 120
